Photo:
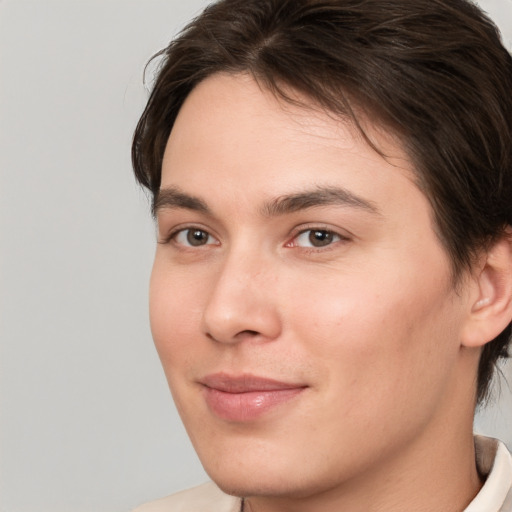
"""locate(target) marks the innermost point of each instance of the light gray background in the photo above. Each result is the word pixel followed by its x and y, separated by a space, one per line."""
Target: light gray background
pixel 86 420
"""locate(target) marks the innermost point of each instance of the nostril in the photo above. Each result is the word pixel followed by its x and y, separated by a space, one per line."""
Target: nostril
pixel 246 332
pixel 250 333
pixel 239 336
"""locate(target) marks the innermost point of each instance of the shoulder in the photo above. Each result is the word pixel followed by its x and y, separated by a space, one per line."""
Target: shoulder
pixel 204 498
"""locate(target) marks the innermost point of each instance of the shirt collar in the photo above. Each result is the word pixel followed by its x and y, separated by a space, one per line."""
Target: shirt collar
pixel 495 463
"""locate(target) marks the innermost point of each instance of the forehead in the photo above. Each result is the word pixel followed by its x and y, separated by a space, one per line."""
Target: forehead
pixel 223 99
pixel 233 132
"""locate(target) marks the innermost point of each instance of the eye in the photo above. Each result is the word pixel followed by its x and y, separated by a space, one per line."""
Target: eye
pixel 194 237
pixel 316 238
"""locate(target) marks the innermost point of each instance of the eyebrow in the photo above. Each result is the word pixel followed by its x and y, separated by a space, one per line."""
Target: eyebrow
pixel 320 196
pixel 173 197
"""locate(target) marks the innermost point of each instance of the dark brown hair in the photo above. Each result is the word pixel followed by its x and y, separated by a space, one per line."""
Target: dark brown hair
pixel 433 71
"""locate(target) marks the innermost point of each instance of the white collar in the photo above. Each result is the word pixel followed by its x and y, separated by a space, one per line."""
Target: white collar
pixel 494 461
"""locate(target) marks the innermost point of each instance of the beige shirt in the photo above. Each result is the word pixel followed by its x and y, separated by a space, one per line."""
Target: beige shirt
pixel 492 457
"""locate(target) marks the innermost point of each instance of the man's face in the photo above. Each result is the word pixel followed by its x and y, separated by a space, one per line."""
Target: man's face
pixel 301 303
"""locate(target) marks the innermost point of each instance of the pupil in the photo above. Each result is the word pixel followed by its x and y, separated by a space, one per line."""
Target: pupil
pixel 320 238
pixel 197 237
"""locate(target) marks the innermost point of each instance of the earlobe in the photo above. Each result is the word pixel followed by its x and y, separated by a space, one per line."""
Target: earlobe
pixel 491 311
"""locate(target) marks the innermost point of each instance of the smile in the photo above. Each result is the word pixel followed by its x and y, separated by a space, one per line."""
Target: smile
pixel 246 398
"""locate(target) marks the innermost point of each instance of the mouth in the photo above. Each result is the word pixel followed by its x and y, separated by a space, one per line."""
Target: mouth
pixel 247 397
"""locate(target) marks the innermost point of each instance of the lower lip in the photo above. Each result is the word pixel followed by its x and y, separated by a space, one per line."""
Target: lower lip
pixel 249 406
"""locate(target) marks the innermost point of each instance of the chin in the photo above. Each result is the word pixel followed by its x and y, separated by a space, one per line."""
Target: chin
pixel 240 475
pixel 245 479
pixel 244 488
pixel 287 488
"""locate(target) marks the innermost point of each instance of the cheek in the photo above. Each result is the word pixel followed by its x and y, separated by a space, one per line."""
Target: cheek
pixel 378 338
pixel 175 310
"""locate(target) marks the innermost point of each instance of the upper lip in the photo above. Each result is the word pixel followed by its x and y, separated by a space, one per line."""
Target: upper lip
pixel 245 383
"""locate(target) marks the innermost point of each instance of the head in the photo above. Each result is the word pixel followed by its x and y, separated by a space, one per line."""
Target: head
pixel 419 90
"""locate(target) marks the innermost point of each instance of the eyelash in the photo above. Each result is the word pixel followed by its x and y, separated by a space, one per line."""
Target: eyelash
pixel 176 232
pixel 335 238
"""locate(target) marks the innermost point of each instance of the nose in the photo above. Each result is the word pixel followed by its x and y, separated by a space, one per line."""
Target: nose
pixel 242 304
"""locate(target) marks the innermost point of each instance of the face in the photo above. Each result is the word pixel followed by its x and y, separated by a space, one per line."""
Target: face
pixel 301 303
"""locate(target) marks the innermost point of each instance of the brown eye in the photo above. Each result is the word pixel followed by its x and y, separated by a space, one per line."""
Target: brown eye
pixel 197 237
pixel 320 238
pixel 316 238
pixel 194 237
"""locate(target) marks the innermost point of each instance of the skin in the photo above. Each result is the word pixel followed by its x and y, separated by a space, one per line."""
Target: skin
pixel 369 322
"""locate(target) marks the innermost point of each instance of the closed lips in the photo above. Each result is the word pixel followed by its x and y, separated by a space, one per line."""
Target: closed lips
pixel 246 398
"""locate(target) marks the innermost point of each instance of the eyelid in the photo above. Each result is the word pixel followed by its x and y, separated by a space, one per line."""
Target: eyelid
pixel 172 233
pixel 343 235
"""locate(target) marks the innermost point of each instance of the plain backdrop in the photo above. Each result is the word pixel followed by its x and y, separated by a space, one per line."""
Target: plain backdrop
pixel 86 421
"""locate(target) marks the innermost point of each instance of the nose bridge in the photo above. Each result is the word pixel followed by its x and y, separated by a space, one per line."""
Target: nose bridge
pixel 240 303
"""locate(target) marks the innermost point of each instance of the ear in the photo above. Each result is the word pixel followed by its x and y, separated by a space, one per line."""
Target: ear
pixel 491 303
